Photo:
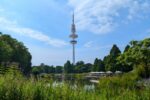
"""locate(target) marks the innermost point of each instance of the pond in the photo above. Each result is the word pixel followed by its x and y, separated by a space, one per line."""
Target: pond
pixel 74 80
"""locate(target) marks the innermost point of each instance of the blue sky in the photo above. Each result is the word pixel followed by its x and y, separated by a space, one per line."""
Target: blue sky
pixel 44 26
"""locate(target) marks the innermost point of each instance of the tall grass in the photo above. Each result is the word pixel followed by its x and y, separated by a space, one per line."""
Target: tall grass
pixel 20 88
pixel 17 87
pixel 124 87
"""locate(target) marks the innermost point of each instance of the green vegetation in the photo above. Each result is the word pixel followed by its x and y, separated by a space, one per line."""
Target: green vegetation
pixel 136 54
pixel 134 61
pixel 110 61
pixel 125 87
pixel 12 51
pixel 98 65
pixel 46 69
pixel 17 87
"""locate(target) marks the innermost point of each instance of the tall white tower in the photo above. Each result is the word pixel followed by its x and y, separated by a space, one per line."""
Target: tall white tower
pixel 73 36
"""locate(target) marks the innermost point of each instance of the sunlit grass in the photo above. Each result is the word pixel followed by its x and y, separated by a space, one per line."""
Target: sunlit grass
pixel 17 87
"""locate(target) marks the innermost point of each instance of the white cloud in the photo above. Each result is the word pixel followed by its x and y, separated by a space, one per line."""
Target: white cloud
pixel 88 44
pixel 7 23
pixel 95 46
pixel 99 16
pixel 12 26
pixel 38 36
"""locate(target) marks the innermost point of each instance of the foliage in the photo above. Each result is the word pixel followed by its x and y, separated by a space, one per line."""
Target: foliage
pixel 13 51
pixel 46 69
pixel 124 87
pixel 143 70
pixel 68 67
pixel 58 69
pixel 81 67
pixel 110 61
pixel 138 54
pixel 126 48
pixel 98 65
pixel 125 81
pixel 16 87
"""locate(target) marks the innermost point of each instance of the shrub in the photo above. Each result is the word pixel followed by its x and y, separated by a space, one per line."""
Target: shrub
pixel 143 71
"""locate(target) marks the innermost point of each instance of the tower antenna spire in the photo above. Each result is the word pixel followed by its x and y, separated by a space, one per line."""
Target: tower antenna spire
pixel 73 18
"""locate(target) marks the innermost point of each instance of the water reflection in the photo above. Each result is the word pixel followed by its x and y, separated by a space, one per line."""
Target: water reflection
pixel 73 81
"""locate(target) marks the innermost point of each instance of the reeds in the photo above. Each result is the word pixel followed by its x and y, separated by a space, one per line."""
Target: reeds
pixel 16 87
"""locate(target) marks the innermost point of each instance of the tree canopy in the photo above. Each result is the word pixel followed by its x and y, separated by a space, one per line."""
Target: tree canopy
pixel 110 61
pixel 137 54
pixel 98 65
pixel 11 51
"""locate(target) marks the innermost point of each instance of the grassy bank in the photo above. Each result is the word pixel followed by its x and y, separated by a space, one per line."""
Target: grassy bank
pixel 128 86
pixel 16 87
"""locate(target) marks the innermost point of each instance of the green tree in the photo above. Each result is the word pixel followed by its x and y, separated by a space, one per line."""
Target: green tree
pixel 110 61
pixel 115 51
pixel 68 67
pixel 5 52
pixel 138 54
pixel 51 69
pixel 13 51
pixel 98 65
pixel 126 48
pixel 58 69
pixel 88 67
pixel 35 70
pixel 79 67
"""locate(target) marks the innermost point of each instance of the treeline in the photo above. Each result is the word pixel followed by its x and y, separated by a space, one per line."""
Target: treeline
pixel 46 69
pixel 136 55
pixel 14 53
pixel 108 63
pixel 80 67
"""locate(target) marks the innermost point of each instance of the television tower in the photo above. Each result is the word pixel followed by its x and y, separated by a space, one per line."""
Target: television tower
pixel 73 36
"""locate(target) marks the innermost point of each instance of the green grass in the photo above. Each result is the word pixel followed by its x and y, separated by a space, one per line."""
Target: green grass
pixel 124 87
pixel 17 87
